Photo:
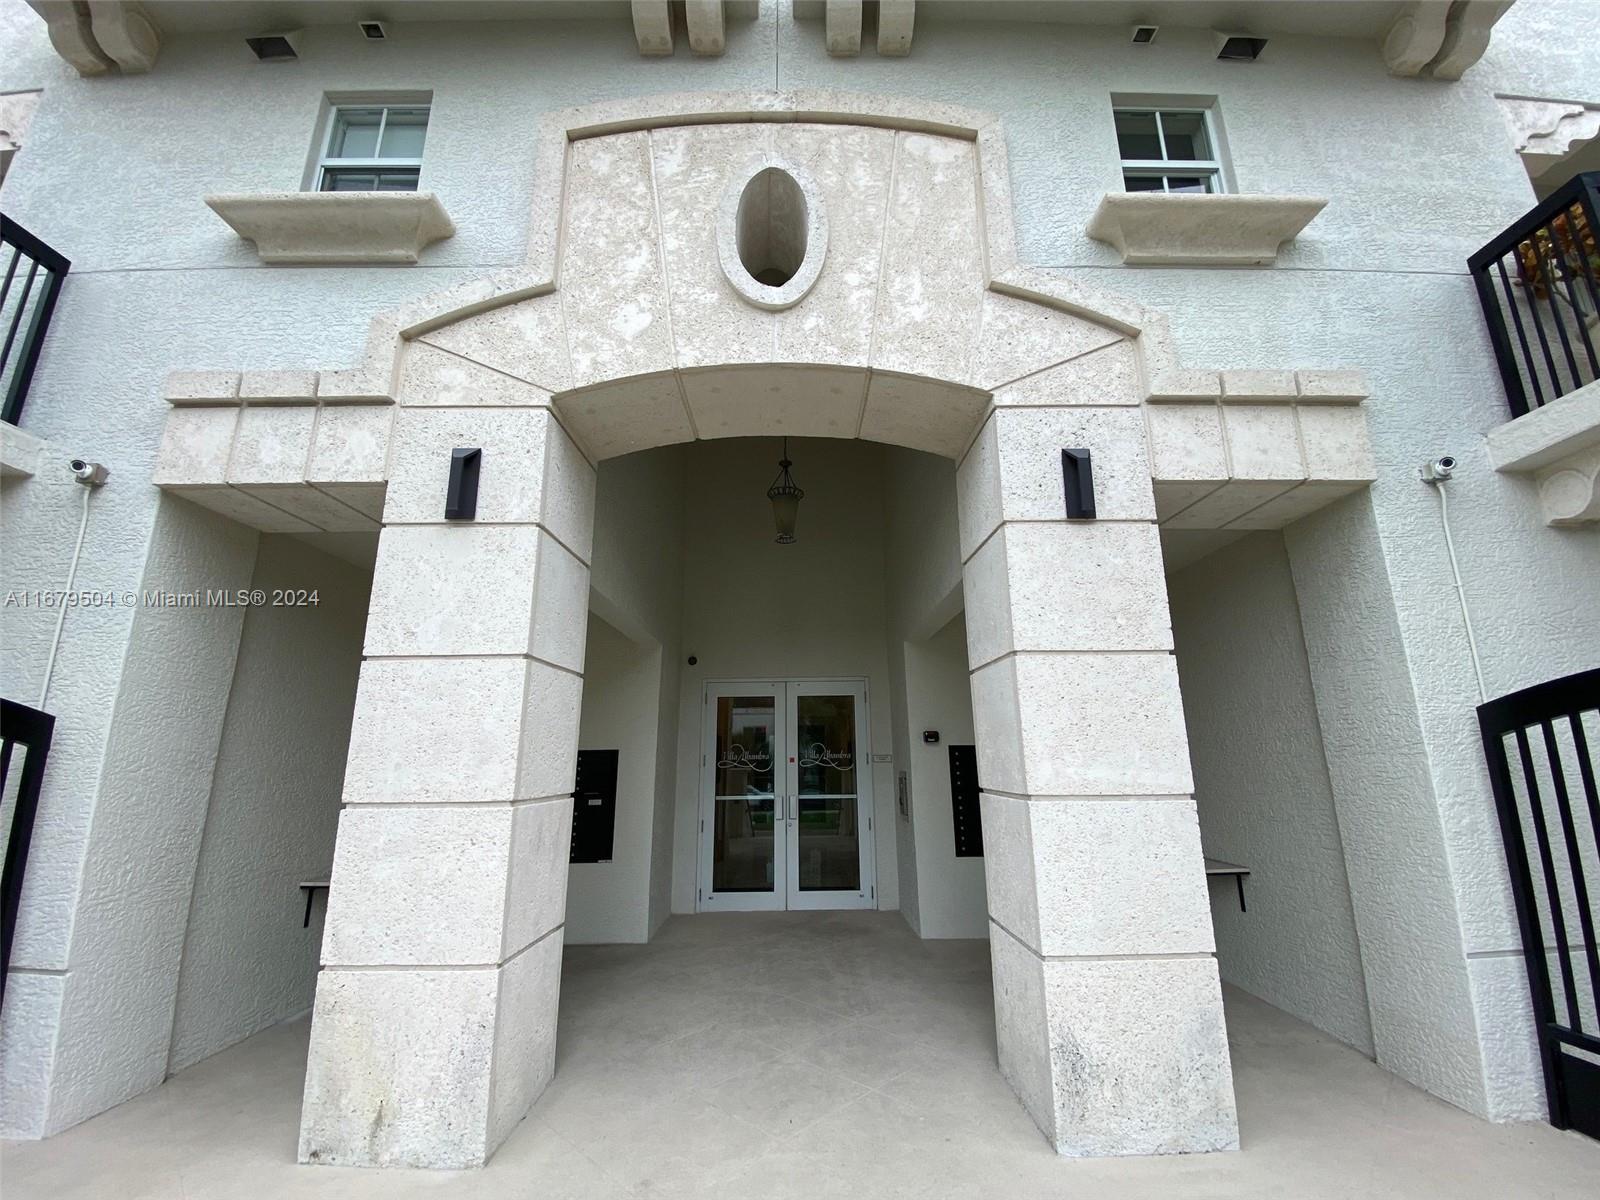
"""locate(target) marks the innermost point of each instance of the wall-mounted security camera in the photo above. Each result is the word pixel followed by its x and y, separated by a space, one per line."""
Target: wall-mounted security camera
pixel 275 47
pixel 1439 469
pixel 90 474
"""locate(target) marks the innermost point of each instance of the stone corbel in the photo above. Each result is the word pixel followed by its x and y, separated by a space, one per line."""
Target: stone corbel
pixel 1569 493
pixel 1559 445
pixel 895 21
pixel 1548 131
pixel 68 26
pixel 841 25
pixel 704 19
pixel 126 33
pixel 841 30
pixel 1438 39
pixel 1466 36
pixel 101 36
pixel 652 28
pixel 1415 36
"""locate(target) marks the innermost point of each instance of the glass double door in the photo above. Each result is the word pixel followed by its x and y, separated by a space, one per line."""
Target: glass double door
pixel 786 797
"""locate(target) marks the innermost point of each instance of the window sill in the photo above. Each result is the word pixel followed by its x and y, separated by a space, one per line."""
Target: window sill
pixel 336 227
pixel 1559 445
pixel 20 453
pixel 1200 231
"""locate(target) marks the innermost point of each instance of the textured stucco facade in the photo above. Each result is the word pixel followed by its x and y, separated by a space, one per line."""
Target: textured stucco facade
pixel 962 310
pixel 1262 787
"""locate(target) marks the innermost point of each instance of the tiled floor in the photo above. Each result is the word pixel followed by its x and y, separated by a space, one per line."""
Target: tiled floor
pixel 809 1055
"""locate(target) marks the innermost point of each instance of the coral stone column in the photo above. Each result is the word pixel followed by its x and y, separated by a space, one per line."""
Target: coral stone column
pixel 435 1019
pixel 1108 1007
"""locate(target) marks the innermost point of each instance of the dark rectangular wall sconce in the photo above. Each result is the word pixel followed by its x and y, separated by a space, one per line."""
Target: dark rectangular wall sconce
pixel 1079 476
pixel 461 497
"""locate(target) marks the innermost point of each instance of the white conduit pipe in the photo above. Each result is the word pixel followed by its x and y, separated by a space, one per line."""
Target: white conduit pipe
pixel 61 617
pixel 1439 486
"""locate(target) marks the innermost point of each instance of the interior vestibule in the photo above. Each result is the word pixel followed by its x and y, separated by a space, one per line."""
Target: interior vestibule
pixel 691 598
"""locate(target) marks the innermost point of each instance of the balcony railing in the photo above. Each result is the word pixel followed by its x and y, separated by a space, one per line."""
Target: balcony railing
pixel 33 275
pixel 1539 284
pixel 25 735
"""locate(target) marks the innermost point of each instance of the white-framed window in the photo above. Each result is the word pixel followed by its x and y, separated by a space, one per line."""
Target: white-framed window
pixel 1168 150
pixel 373 148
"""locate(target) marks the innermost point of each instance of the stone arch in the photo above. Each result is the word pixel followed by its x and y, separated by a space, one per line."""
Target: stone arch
pixel 621 332
pixel 624 319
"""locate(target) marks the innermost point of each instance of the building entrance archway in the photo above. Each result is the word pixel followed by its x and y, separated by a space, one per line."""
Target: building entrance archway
pixel 434 1027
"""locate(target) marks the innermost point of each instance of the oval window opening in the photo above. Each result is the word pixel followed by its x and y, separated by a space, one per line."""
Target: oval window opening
pixel 772 227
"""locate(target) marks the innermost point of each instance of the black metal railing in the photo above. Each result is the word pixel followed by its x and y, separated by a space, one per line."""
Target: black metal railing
pixel 1540 745
pixel 28 730
pixel 33 275
pixel 1539 284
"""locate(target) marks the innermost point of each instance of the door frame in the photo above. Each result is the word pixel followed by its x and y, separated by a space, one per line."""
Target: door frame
pixel 706 899
pixel 866 897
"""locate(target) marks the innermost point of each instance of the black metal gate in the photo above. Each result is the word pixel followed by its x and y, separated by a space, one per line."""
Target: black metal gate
pixel 28 730
pixel 1540 743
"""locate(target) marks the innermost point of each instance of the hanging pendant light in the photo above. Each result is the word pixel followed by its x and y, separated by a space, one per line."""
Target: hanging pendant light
pixel 785 497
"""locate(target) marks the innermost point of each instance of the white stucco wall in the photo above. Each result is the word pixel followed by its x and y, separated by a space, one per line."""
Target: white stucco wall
pixel 1262 788
pixel 119 940
pixel 756 610
pixel 1418 174
pixel 951 900
pixel 905 838
pixel 636 584
pixel 610 902
pixel 941 895
pixel 1424 1022
pixel 247 960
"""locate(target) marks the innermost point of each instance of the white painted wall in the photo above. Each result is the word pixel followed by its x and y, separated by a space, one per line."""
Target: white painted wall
pixel 636 585
pixel 247 960
pixel 1262 788
pixel 951 898
pixel 753 609
pixel 905 838
pixel 610 901
pixel 1418 173
pixel 941 895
